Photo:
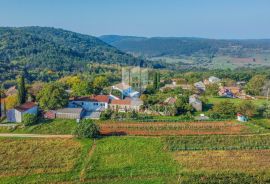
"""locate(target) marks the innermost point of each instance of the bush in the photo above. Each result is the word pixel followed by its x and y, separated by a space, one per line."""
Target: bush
pixel 87 129
pixel 106 115
pixel 29 119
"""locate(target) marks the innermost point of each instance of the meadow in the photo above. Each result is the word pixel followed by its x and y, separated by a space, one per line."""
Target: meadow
pixel 131 160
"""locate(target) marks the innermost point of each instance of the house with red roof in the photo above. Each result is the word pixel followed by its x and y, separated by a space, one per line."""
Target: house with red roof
pixel 90 103
pixel 16 114
pixel 125 105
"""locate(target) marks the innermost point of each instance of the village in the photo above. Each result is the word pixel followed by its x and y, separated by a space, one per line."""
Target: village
pixel 139 95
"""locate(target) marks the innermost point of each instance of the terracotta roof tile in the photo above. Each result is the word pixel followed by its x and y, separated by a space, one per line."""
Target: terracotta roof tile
pixel 26 106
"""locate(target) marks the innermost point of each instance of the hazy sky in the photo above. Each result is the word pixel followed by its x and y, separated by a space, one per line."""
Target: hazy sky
pixel 197 18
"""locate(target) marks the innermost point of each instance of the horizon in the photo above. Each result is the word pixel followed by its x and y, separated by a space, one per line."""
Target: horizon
pixel 211 20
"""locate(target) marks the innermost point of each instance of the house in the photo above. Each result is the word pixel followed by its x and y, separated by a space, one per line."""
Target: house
pixel 200 86
pixel 126 90
pixel 230 92
pixel 16 114
pixel 195 102
pixel 214 80
pixel 65 113
pixel 126 105
pixel 90 103
pixel 241 117
pixel 11 91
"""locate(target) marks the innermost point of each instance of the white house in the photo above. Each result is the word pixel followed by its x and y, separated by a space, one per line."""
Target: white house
pixel 90 103
pixel 214 80
pixel 16 114
pixel 126 90
pixel 195 102
pixel 200 86
pixel 126 105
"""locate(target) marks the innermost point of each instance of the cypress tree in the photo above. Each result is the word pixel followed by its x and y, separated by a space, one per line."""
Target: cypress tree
pixel 155 80
pixel 21 90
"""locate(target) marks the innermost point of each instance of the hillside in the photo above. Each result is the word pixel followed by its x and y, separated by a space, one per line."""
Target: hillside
pixel 34 48
pixel 177 46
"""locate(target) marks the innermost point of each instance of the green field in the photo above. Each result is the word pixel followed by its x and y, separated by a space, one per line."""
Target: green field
pixel 132 160
pixel 236 101
pixel 56 126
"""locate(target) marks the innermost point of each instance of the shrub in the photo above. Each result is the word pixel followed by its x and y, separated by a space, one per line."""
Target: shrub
pixel 29 119
pixel 106 115
pixel 87 129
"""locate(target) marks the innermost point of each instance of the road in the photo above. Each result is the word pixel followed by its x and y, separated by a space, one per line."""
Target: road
pixel 35 135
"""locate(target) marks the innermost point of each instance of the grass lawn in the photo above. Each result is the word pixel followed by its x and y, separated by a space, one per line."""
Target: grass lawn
pixel 56 126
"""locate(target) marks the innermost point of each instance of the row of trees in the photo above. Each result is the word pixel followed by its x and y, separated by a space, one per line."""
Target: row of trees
pixel 228 110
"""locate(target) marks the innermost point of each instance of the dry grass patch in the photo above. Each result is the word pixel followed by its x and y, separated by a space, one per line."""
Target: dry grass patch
pixel 21 157
pixel 251 161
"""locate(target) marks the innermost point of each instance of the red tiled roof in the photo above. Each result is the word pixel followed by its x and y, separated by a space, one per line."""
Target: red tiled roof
pixel 94 98
pixel 26 106
pixel 121 102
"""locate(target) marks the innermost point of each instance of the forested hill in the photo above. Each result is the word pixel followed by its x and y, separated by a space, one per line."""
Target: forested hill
pixel 56 49
pixel 180 46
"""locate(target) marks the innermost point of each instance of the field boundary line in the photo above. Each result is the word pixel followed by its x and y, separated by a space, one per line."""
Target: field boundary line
pixel 35 135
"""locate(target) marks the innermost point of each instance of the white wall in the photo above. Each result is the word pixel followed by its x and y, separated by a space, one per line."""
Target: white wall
pixel 19 115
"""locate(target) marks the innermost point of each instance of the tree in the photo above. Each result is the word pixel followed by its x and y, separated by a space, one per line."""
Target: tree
pixel 212 89
pixel 182 105
pixel 264 110
pixel 247 108
pixel 87 129
pixel 52 96
pixel 223 110
pixel 81 89
pixel 255 85
pixel 29 119
pixel 11 101
pixel 156 80
pixel 99 83
pixel 70 80
pixel 35 88
pixel 21 90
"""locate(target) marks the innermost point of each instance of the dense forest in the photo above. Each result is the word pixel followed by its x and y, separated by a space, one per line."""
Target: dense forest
pixel 43 50
pixel 179 46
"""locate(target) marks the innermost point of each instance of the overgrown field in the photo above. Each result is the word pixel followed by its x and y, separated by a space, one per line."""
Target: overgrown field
pixel 41 160
pixel 137 160
pixel 218 142
pixel 181 128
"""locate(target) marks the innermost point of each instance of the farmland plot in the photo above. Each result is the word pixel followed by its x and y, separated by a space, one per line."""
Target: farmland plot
pixel 163 128
pixel 32 160
pixel 129 159
pixel 218 142
pixel 250 161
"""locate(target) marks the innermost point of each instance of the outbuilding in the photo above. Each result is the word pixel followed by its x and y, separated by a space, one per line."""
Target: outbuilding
pixel 16 114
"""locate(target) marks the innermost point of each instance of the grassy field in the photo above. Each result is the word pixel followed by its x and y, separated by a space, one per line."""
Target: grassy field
pixel 56 126
pixel 236 101
pixel 41 160
pixel 218 142
pixel 131 160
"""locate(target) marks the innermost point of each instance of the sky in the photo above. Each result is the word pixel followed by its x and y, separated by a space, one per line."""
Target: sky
pixel 226 19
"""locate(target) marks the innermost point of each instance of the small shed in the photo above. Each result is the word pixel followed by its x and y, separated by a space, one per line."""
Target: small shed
pixel 69 113
pixel 16 114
